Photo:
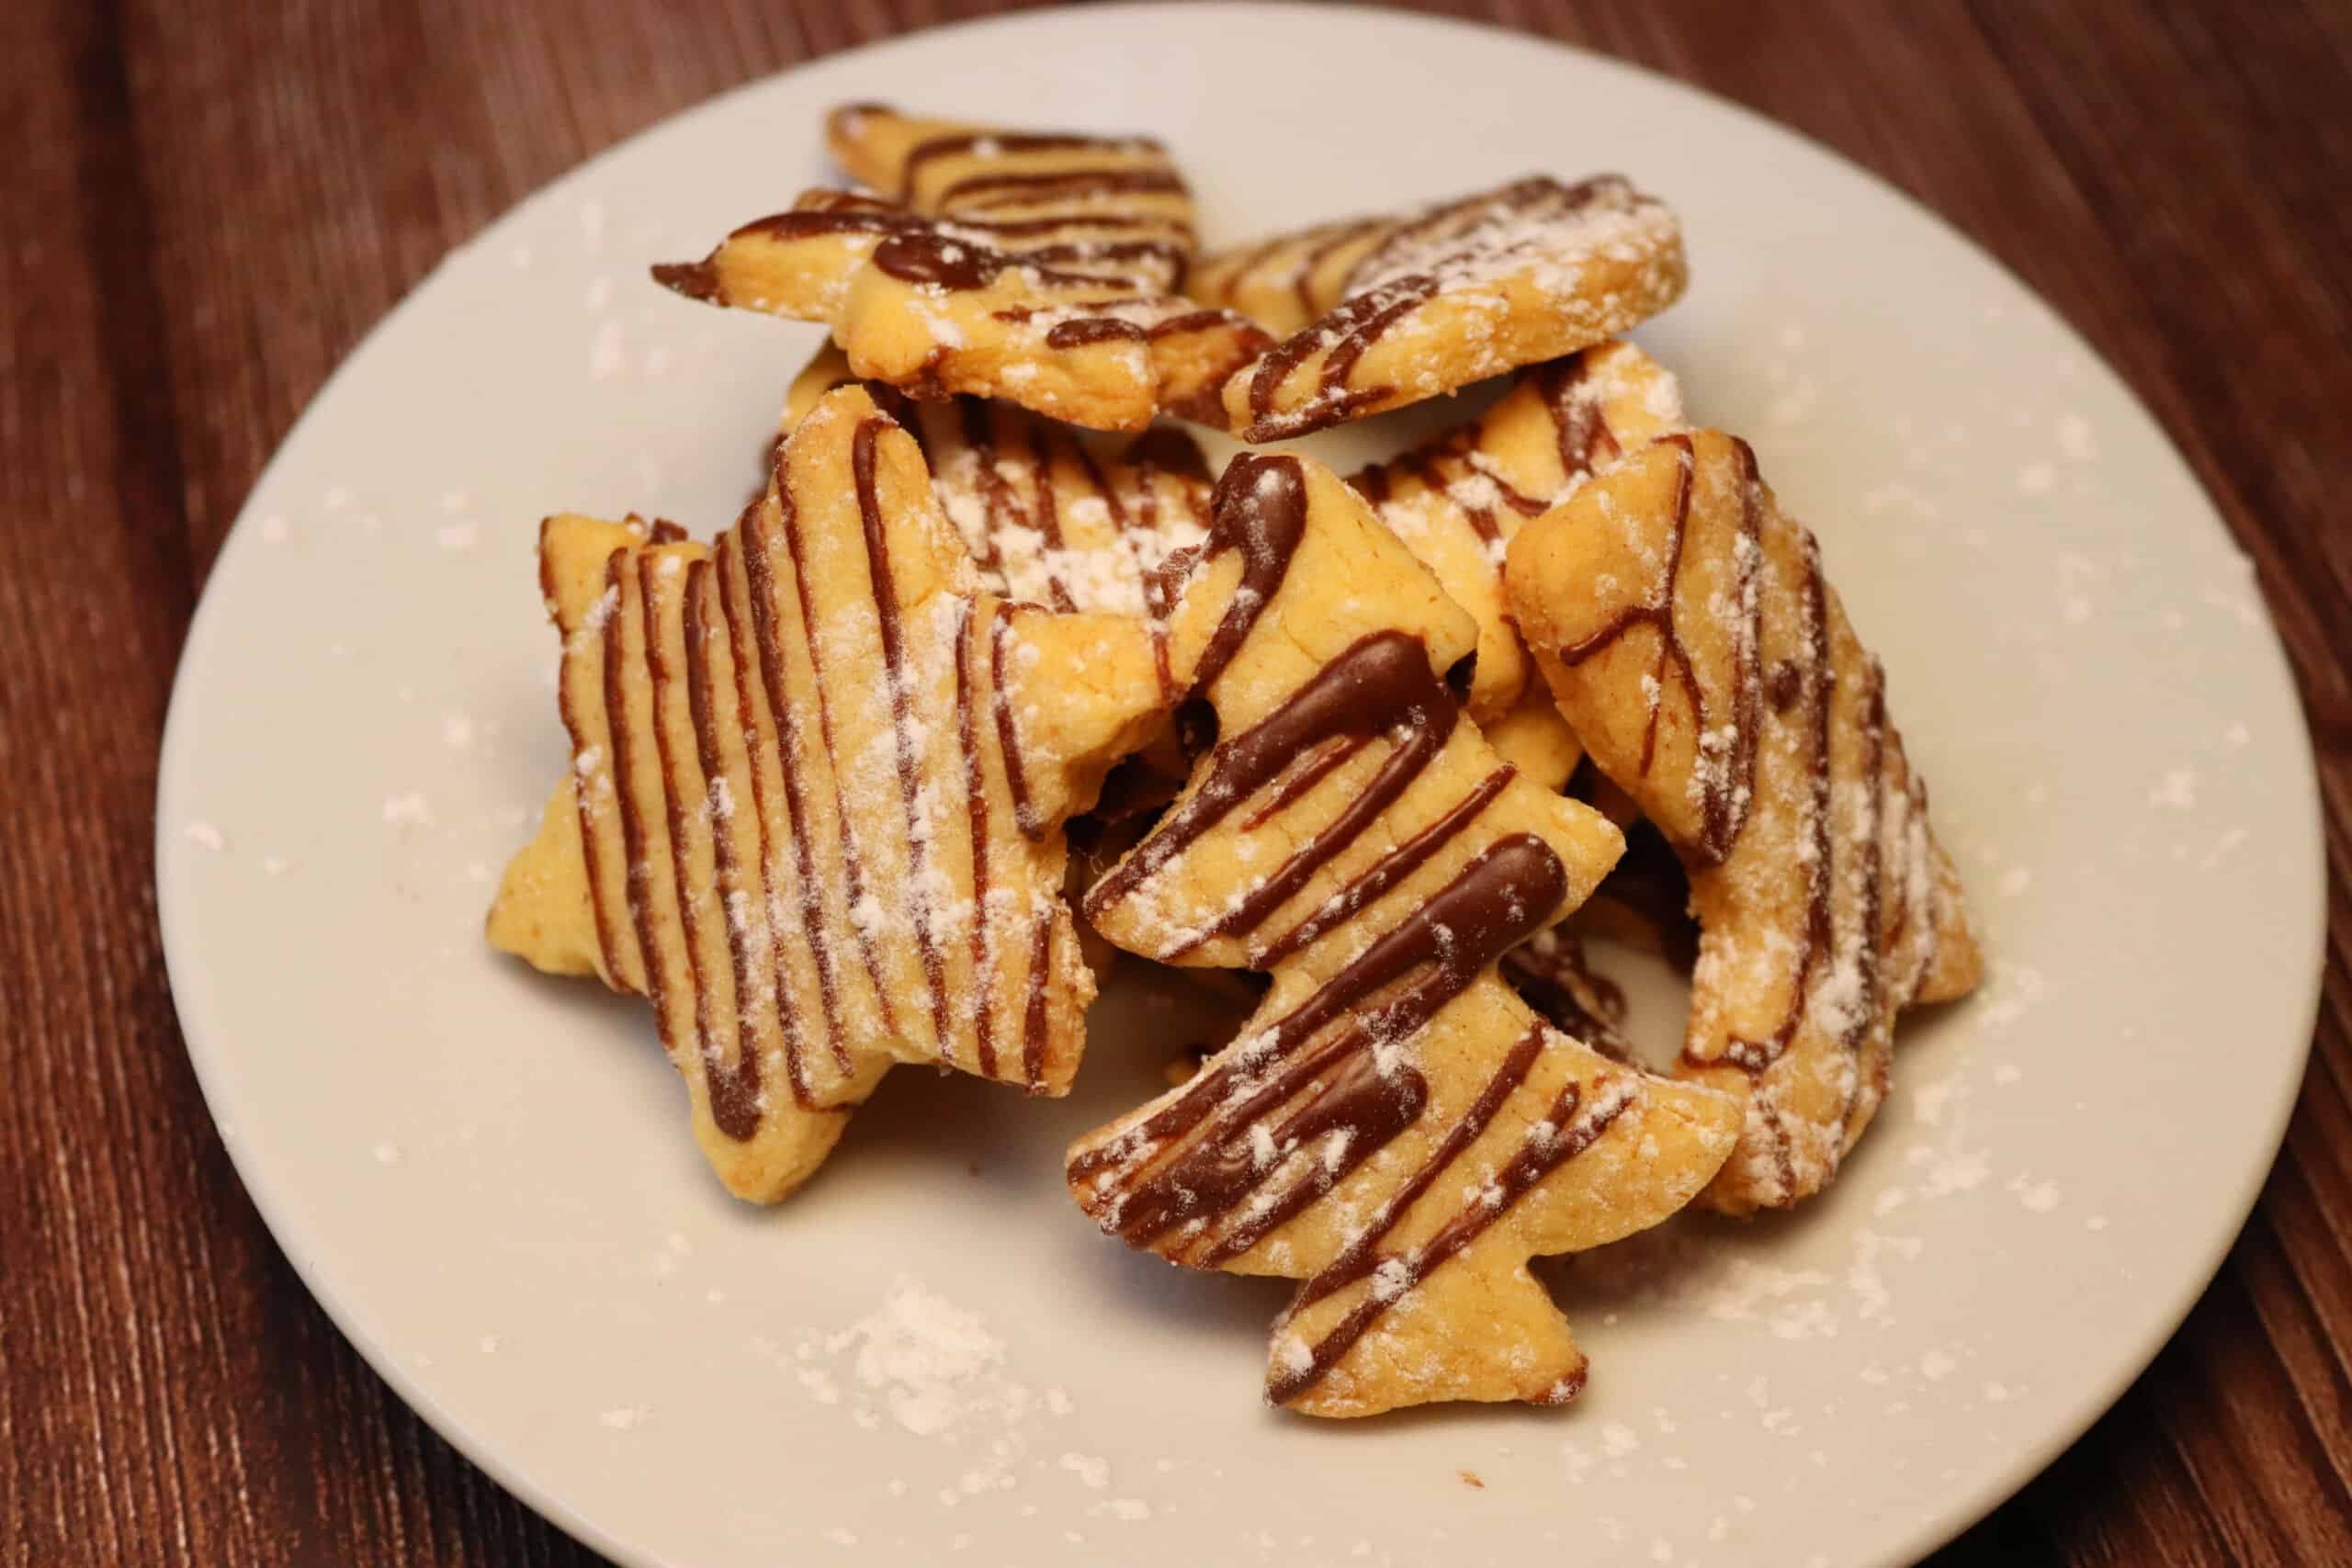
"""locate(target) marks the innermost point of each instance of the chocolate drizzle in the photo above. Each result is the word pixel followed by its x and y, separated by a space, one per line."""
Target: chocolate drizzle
pixel 1409 262
pixel 736 1114
pixel 987 144
pixel 1380 686
pixel 569 706
pixel 1550 1144
pixel 1008 740
pixel 955 254
pixel 1342 336
pixel 734 1094
pixel 1031 501
pixel 1386 872
pixel 1085 330
pixel 852 863
pixel 696 280
pixel 1583 437
pixel 757 551
pixel 894 661
pixel 1457 470
pixel 1015 190
pixel 926 257
pixel 1450 223
pixel 748 643
pixel 1071 193
pixel 1278 1122
pixel 1320 1067
pixel 976 804
pixel 694 660
pixel 1498 900
pixel 1087 238
pixel 1259 509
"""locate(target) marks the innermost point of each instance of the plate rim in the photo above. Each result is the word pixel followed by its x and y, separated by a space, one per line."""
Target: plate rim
pixel 1929 1530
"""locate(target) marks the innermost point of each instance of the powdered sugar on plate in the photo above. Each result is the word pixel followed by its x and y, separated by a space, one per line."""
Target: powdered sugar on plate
pixel 919 1364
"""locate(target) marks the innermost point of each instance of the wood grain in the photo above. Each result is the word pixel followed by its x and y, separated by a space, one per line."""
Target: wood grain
pixel 206 206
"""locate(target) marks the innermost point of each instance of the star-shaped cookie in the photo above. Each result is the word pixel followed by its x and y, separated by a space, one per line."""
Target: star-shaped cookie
pixel 1035 267
pixel 1378 312
pixel 814 812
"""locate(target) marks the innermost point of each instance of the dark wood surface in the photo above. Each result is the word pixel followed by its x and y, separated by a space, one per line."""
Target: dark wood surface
pixel 206 207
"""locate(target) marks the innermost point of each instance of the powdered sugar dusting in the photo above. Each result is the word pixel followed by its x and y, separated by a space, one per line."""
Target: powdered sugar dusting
pixel 921 1365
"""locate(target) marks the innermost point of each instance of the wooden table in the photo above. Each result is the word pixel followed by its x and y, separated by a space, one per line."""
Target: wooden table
pixel 207 205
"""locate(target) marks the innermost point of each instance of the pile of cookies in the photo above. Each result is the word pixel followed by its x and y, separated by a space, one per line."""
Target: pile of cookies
pixel 1382 740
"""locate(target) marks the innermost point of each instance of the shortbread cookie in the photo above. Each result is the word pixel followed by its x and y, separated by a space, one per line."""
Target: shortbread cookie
pixel 1050 516
pixel 997 275
pixel 1392 1126
pixel 1685 628
pixel 1104 205
pixel 1458 499
pixel 815 807
pixel 1382 311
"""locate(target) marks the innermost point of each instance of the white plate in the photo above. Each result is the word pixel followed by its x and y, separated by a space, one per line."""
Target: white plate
pixel 486 1176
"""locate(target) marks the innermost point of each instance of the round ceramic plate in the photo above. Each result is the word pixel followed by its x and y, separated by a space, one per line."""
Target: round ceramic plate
pixel 486 1175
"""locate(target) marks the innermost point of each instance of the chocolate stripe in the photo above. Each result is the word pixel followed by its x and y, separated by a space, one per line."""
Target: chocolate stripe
pixel 734 1094
pixel 1384 684
pixel 1179 231
pixel 798 762
pixel 745 650
pixel 1503 895
pixel 1870 856
pixel 1580 434
pixel 987 144
pixel 1536 1159
pixel 894 661
pixel 591 832
pixel 1817 686
pixel 673 815
pixel 1048 516
pixel 1312 769
pixel 1032 1017
pixel 1386 872
pixel 618 728
pixel 1341 337
pixel 975 806
pixel 1259 509
pixel 1359 1257
pixel 1382 681
pixel 1016 777
pixel 997 191
pixel 853 864
pixel 997 507
pixel 1302 282
pixel 1354 1116
pixel 1144 455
